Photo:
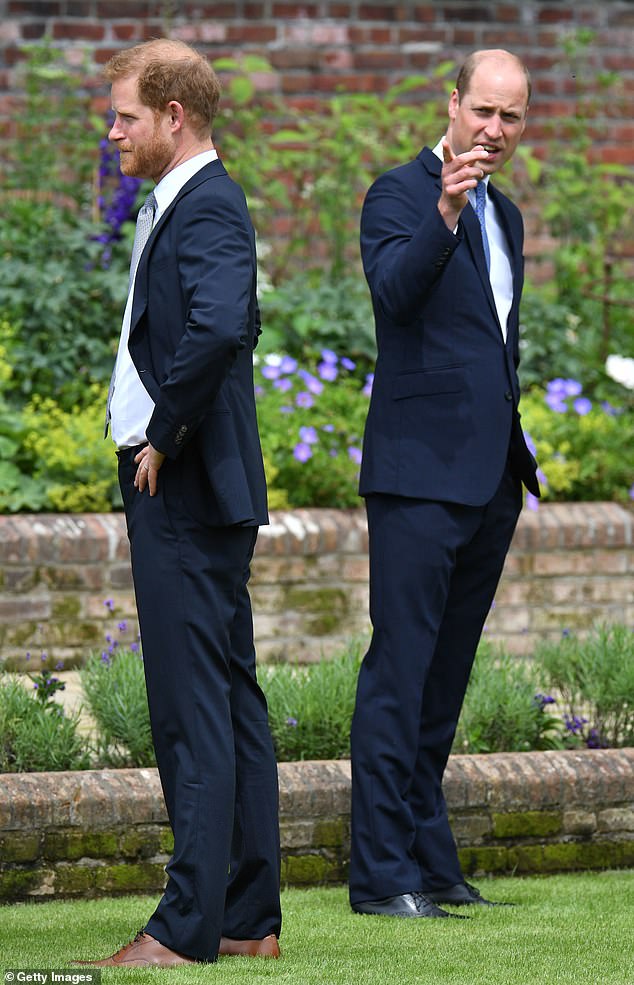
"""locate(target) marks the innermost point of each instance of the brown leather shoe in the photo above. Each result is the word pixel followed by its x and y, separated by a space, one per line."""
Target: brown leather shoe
pixel 143 952
pixel 265 948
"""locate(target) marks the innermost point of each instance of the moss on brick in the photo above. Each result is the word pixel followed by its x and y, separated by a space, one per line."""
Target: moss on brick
pixel 17 883
pixel 331 833
pixel 74 880
pixel 130 877
pixel 141 842
pixel 326 609
pixel 66 607
pixel 80 844
pixel 527 824
pixel 19 847
pixel 305 870
pixel 483 859
pixel 166 841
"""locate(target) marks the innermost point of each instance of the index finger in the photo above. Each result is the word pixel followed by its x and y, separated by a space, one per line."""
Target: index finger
pixel 447 153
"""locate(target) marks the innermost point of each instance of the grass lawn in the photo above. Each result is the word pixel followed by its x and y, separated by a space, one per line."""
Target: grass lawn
pixel 574 929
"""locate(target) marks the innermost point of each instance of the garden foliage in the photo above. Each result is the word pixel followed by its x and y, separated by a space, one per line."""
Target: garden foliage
pixel 65 232
pixel 575 693
pixel 36 735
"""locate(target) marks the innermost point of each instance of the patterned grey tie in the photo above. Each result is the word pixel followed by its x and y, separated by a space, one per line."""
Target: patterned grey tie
pixel 481 194
pixel 144 223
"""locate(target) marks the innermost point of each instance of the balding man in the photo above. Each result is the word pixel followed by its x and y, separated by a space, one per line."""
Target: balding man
pixel 443 461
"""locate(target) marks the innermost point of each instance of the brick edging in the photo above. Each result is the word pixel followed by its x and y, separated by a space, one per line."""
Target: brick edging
pixel 106 831
pixel 570 565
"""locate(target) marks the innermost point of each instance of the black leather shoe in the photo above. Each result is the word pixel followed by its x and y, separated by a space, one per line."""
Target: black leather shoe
pixel 405 905
pixel 464 894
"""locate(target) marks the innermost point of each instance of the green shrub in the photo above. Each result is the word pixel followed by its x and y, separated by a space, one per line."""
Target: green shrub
pixel 595 679
pixel 310 707
pixel 63 276
pixel 585 449
pixel 311 424
pixel 113 684
pixel 56 459
pixel 309 312
pixel 37 736
pixel 504 710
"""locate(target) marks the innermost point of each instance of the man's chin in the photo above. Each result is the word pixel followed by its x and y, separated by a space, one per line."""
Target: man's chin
pixel 127 166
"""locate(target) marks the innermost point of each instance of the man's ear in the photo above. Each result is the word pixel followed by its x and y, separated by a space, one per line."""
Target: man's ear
pixel 176 115
pixel 454 103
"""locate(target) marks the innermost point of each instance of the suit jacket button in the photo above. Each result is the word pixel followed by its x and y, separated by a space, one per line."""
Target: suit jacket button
pixel 508 395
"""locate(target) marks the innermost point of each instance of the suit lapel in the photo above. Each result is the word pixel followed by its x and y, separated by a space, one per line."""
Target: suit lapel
pixel 469 226
pixel 212 170
pixel 513 240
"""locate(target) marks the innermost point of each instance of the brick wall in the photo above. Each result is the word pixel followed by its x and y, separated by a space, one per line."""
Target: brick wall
pixel 106 832
pixel 362 45
pixel 569 565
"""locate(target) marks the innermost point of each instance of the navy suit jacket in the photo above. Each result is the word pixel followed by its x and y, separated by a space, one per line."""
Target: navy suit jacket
pixel 444 408
pixel 194 325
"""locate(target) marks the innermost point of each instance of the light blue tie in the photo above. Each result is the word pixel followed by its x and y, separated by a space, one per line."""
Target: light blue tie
pixel 481 194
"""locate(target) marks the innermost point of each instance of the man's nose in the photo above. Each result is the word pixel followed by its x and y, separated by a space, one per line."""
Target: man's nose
pixel 494 127
pixel 114 132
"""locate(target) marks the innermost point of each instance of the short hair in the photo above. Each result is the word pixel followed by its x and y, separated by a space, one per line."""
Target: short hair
pixel 171 70
pixel 473 60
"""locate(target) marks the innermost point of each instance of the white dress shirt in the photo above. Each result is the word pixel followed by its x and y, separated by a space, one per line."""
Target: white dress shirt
pixel 500 272
pixel 131 406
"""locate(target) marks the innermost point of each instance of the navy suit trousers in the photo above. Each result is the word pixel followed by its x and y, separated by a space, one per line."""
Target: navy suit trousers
pixel 434 569
pixel 209 720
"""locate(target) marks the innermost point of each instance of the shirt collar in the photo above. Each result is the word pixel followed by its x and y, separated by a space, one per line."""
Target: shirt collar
pixel 169 186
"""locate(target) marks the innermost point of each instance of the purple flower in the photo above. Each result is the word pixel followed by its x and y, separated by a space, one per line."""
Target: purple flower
pixel 270 372
pixel 541 478
pixel 355 454
pixel 348 363
pixel 123 626
pixel 544 699
pixel 28 655
pixel 105 659
pixel 631 492
pixel 134 647
pixel 556 403
pixel 328 372
pixel 308 435
pixel 59 665
pixel 109 604
pixel 287 410
pixel 369 381
pixel 302 452
pixel 288 364
pixel 565 632
pixel 582 406
pixel 292 722
pixel 566 388
pixel 333 453
pixel 304 399
pixel 312 383
pixel 328 427
pixel 329 356
pixel 575 724
pixel 283 384
pixel 259 390
pixel 608 408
